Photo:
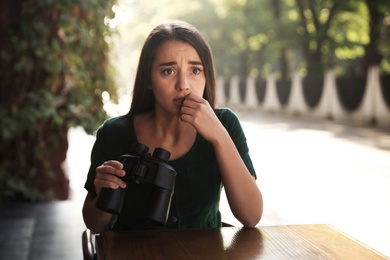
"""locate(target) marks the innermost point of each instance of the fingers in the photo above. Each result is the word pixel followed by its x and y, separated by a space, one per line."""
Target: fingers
pixel 193 96
pixel 112 168
pixel 190 108
pixel 108 176
pixel 198 112
pixel 193 103
pixel 114 164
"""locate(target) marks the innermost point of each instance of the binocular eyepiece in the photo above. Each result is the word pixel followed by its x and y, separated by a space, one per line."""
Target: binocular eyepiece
pixel 150 184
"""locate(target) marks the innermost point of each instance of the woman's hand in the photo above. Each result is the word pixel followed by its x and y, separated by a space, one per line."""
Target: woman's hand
pixel 238 182
pixel 107 176
pixel 198 112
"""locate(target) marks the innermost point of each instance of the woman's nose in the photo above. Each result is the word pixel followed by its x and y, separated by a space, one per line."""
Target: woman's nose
pixel 182 82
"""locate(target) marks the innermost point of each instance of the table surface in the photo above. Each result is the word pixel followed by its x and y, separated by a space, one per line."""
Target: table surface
pixel 317 241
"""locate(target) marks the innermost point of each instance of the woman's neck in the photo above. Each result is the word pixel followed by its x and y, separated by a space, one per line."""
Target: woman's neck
pixel 168 125
pixel 167 132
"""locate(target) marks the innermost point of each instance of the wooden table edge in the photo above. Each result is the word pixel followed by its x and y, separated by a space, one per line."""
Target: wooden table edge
pixel 358 241
pixel 311 233
pixel 311 239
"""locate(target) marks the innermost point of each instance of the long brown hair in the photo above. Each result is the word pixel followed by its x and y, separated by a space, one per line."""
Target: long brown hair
pixel 143 97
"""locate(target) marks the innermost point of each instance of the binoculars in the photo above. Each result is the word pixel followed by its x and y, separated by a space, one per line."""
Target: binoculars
pixel 150 184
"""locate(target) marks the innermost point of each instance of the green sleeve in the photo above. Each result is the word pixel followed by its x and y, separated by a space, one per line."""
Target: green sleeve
pixel 234 128
pixel 97 158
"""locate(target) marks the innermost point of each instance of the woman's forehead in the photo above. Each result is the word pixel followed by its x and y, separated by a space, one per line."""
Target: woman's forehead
pixel 172 50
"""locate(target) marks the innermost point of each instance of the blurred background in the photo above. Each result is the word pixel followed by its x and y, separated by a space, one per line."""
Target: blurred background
pixel 310 81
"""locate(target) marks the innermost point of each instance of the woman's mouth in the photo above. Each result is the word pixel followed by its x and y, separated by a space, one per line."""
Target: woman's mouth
pixel 179 101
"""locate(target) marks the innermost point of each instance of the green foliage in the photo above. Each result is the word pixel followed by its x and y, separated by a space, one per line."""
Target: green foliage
pixel 256 37
pixel 251 36
pixel 57 67
pixel 384 30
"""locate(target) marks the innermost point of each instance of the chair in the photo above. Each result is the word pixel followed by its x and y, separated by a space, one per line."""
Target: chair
pixel 225 224
pixel 88 244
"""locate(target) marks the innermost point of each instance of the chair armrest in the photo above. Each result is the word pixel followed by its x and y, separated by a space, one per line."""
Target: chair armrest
pixel 88 245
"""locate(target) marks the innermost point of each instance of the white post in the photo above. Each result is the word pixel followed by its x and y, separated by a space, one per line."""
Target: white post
pixel 373 105
pixel 329 105
pixel 271 102
pixel 296 102
pixel 234 99
pixel 221 97
pixel 250 94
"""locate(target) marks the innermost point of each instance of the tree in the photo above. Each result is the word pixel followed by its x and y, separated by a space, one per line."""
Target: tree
pixel 378 10
pixel 316 18
pixel 54 68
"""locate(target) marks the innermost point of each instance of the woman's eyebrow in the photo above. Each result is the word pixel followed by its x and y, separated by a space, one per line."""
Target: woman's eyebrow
pixel 196 63
pixel 170 63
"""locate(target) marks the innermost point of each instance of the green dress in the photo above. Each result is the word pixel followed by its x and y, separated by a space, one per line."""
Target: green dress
pixel 195 203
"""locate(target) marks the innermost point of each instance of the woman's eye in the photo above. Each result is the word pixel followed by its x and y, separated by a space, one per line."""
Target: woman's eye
pixel 196 71
pixel 168 71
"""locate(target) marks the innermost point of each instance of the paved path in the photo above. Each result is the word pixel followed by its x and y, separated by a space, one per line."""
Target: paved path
pixel 322 172
pixel 308 171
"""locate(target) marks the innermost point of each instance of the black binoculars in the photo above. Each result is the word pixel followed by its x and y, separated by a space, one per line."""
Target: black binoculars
pixel 150 184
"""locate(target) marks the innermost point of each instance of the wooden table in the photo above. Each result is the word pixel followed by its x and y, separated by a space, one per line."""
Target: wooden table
pixel 271 242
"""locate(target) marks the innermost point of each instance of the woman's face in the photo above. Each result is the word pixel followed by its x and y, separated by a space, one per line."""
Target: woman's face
pixel 176 71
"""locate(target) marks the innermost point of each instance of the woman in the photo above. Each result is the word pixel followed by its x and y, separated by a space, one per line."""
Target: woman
pixel 173 107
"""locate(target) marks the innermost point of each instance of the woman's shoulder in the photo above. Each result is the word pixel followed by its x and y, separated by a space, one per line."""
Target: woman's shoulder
pixel 118 123
pixel 119 120
pixel 229 120
pixel 225 114
pixel 117 133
